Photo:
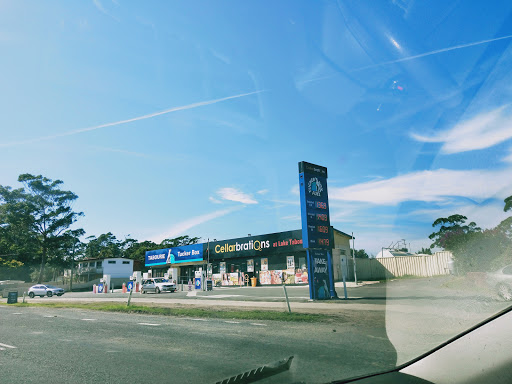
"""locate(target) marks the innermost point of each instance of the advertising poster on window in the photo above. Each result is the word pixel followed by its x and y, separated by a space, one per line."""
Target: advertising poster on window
pixel 265 278
pixel 250 265
pixel 276 277
pixel 290 262
pixel 222 267
pixel 264 264
pixel 233 278
pixel 217 279
pixel 301 276
pixel 289 278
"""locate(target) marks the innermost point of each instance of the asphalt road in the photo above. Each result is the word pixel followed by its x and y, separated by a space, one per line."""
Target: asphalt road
pixel 380 325
pixel 41 345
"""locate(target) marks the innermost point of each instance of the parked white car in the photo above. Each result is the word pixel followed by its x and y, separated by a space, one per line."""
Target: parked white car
pixel 45 290
pixel 157 285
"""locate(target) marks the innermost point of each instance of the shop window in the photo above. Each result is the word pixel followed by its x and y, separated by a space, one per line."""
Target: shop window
pixel 111 261
pixel 126 262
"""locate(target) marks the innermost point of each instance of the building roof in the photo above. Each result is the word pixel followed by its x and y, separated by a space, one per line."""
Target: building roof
pixel 103 258
pixel 343 233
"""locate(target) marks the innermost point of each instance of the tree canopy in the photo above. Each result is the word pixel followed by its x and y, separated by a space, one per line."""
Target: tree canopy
pixel 474 249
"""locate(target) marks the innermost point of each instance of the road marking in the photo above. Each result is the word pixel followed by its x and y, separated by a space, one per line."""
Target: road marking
pixel 50 316
pixel 89 319
pixel 199 319
pixel 7 346
pixel 16 313
pixel 150 324
pixel 232 322
pixel 192 293
pixel 37 333
pixel 219 296
pixel 259 324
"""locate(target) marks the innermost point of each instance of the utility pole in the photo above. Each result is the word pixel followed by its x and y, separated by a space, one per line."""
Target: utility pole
pixel 354 258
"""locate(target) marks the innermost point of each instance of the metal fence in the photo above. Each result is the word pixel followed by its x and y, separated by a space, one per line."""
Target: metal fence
pixel 389 267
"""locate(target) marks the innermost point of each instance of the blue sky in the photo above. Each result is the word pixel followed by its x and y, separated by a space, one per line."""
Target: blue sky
pixel 174 118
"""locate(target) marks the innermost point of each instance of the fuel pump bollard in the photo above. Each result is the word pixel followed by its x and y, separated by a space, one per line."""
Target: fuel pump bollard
pixel 190 285
pixel 94 288
pixel 105 289
pixel 124 287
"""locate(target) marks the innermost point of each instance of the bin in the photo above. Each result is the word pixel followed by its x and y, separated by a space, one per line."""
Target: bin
pixel 253 281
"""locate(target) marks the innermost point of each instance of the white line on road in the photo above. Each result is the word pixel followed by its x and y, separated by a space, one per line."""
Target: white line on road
pixel 199 319
pixel 7 346
pixel 50 316
pixel 232 322
pixel 259 324
pixel 150 324
pixel 89 319
pixel 16 313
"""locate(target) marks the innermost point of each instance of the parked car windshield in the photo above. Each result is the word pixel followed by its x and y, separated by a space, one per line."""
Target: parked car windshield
pixel 346 165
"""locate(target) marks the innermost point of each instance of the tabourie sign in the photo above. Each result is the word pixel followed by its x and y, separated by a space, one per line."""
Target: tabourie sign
pixel 316 229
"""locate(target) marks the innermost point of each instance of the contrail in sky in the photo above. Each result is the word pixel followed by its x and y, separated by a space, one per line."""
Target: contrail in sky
pixel 143 117
pixel 433 52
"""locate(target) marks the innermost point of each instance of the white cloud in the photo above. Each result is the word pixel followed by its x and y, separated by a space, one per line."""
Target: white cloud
pixel 233 194
pixel 482 131
pixel 103 10
pixel 182 227
pixel 291 218
pixel 429 186
pixel 262 192
pixel 295 190
pixel 508 158
pixel 286 202
pixel 214 200
pixel 485 216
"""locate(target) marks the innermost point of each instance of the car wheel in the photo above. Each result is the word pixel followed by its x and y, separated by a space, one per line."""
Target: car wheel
pixel 157 290
pixel 142 291
pixel 505 292
pixel 59 294
pixel 49 293
pixel 31 295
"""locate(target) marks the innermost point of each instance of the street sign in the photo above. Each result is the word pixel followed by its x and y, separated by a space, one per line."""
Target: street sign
pixel 12 297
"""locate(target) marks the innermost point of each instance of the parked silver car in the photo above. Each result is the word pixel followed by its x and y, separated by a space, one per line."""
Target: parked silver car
pixel 157 285
pixel 501 280
pixel 45 290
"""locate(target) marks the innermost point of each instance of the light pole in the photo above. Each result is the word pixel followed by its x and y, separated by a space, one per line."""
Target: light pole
pixel 354 258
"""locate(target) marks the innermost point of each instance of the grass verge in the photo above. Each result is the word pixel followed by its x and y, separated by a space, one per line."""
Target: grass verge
pixel 190 312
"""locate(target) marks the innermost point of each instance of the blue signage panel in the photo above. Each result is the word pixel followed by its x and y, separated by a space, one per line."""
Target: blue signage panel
pixel 319 274
pixel 198 283
pixel 314 203
pixel 184 254
pixel 157 257
pixel 129 286
pixel 316 229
